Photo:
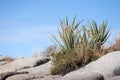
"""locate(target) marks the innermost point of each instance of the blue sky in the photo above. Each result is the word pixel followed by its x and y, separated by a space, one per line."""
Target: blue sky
pixel 25 25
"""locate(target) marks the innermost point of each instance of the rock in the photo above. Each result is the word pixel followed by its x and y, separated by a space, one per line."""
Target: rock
pixel 114 78
pixel 105 68
pixel 22 63
pixel 50 77
pixel 83 76
pixel 43 69
pixel 2 58
pixel 108 66
pixel 41 72
pixel 19 77
pixel 3 62
pixel 3 76
pixel 28 77
pixel 6 58
pixel 44 60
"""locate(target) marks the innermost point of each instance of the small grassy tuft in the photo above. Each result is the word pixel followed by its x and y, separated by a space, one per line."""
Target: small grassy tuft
pixel 115 46
pixel 8 59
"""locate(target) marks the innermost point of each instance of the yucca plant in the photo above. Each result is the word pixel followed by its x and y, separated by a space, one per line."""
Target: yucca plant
pixel 77 47
pixel 66 59
pixel 98 34
pixel 84 38
pixel 69 35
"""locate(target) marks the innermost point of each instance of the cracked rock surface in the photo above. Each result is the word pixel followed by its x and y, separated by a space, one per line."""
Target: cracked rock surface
pixel 105 68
